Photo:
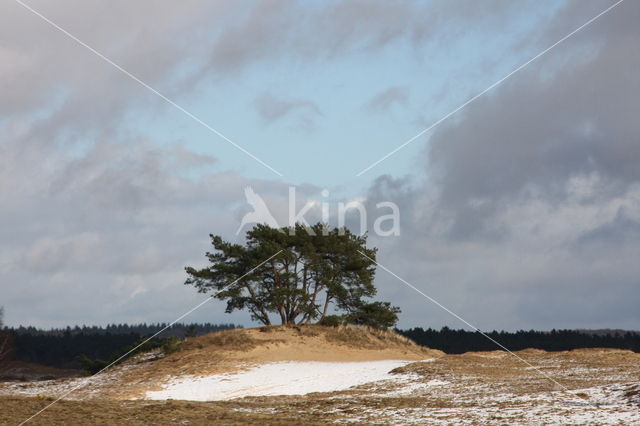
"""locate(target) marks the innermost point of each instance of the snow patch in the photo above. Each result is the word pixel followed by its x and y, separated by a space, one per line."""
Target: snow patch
pixel 278 378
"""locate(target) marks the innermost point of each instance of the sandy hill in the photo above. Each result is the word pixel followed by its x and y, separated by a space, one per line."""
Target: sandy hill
pixel 215 352
pixel 260 361
pixel 300 343
pixel 231 351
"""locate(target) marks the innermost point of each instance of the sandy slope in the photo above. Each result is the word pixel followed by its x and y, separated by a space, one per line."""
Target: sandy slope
pixel 235 355
pixel 287 361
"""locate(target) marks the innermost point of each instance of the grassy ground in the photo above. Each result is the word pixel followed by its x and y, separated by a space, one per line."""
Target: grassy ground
pixel 133 413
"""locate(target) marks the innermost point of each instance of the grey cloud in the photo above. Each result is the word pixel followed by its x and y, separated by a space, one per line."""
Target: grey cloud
pixel 76 93
pixel 183 157
pixel 47 255
pixel 127 174
pixel 105 236
pixel 260 33
pixel 42 66
pixel 531 203
pixel 276 30
pixel 527 219
pixel 272 108
pixel 540 132
pixel 386 99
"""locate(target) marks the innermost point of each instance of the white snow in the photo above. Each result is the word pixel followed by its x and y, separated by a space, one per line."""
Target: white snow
pixel 278 378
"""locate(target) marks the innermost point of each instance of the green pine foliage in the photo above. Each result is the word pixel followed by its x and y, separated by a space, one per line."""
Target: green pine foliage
pixel 316 272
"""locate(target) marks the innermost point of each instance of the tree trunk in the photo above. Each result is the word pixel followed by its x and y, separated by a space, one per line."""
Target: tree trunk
pixel 326 307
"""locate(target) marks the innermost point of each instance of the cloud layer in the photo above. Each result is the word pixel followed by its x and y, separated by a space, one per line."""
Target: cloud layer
pixel 524 212
pixel 530 214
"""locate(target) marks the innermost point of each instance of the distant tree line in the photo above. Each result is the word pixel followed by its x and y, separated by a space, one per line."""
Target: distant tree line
pixel 71 347
pixel 178 330
pixel 459 341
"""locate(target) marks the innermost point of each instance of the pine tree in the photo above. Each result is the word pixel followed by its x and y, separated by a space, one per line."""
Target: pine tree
pixel 316 270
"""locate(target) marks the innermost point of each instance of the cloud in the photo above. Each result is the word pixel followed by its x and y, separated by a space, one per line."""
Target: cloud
pixel 45 70
pixel 104 236
pixel 272 108
pixel 529 214
pixel 77 94
pixel 43 67
pixel 47 254
pixel 541 131
pixel 386 99
pixel 287 30
pixel 528 217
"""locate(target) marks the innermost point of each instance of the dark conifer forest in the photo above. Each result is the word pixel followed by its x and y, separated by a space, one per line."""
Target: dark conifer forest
pixel 459 341
pixel 64 347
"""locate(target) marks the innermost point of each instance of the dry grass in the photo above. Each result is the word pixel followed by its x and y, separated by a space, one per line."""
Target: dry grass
pixel 228 340
pixel 367 337
pixel 138 413
pixel 348 335
pixel 573 369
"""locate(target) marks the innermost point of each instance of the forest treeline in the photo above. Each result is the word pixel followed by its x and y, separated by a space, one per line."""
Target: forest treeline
pixel 178 330
pixel 459 341
pixel 63 347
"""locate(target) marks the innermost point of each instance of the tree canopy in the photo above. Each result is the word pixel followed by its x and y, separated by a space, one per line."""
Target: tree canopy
pixel 316 270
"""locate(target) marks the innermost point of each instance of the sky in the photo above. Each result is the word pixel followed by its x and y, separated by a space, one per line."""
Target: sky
pixel 127 140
